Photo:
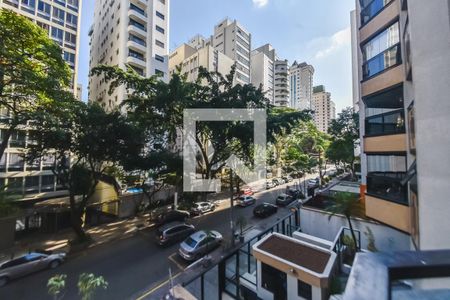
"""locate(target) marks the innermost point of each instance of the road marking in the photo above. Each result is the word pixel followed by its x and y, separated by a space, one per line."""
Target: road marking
pixel 175 262
pixel 158 287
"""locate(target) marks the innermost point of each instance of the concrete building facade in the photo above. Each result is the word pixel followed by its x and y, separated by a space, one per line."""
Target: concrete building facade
pixel 190 59
pixel 263 70
pixel 325 109
pixel 128 33
pixel 61 19
pixel 231 39
pixel 281 89
pixel 403 71
pixel 301 86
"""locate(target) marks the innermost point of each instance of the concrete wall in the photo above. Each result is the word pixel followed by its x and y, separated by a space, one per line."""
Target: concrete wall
pixel 430 44
pixel 315 222
pixel 7 232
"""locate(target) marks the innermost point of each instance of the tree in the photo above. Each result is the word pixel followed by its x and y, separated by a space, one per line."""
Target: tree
pixel 159 107
pixel 89 283
pixel 33 74
pixel 56 286
pixel 86 141
pixel 344 133
pixel 348 205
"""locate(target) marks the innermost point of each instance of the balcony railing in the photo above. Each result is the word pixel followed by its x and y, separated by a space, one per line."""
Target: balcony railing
pixel 137 9
pixel 388 186
pixel 388 123
pixel 372 9
pixel 137 40
pixel 386 59
pixel 138 25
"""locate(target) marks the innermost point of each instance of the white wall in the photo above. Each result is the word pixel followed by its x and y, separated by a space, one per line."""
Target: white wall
pixel 315 222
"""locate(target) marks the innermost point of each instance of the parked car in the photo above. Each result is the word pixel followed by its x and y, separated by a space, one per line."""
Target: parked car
pixel 245 201
pixel 199 244
pixel 281 180
pixel 284 200
pixel 296 194
pixel 173 232
pixel 313 182
pixel 202 207
pixel 275 182
pixel 278 181
pixel 29 263
pixel 287 178
pixel 248 191
pixel 270 184
pixel 264 210
pixel 170 216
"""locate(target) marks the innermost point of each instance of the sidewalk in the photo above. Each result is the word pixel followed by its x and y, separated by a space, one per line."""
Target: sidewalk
pixel 59 241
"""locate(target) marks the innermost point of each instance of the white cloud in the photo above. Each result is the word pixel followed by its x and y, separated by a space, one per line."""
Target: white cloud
pixel 260 3
pixel 334 43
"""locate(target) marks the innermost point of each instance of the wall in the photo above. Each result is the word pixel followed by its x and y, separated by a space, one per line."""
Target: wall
pixel 386 238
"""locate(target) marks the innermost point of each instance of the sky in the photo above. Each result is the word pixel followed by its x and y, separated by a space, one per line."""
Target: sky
pixel 314 31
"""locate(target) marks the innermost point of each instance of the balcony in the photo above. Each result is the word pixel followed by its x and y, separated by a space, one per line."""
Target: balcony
pixel 388 123
pixel 136 15
pixel 386 59
pixel 137 28
pixel 379 20
pixel 134 61
pixel 388 186
pixel 389 213
pixel 385 143
pixel 137 45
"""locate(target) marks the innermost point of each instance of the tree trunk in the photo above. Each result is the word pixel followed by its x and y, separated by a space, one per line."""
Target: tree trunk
pixel 77 225
pixel 5 140
pixel 352 232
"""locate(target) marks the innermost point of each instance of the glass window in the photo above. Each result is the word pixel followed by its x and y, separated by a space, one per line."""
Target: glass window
pixel 57 33
pixel 160 15
pixel 44 7
pixel 381 42
pixel 159 58
pixel 30 3
pixel 72 19
pixel 58 13
pixel 382 52
pixel 16 162
pixel 304 290
pixel 48 183
pixel 370 8
pixel 160 29
pixel 32 184
pixel 159 43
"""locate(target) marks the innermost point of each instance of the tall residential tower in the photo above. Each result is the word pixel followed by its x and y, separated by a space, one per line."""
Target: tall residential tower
pixel 325 110
pixel 301 86
pixel 128 33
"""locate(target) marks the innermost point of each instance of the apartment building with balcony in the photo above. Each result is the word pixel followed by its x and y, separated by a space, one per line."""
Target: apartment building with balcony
pixel 281 89
pixel 325 109
pixel 189 59
pixel 301 86
pixel 263 70
pixel 233 40
pixel 402 86
pixel 129 34
pixel 61 19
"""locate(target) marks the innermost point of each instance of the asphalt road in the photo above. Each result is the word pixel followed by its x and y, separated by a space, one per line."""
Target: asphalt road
pixel 132 264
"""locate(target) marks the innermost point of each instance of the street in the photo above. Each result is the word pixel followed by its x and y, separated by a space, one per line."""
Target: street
pixel 132 264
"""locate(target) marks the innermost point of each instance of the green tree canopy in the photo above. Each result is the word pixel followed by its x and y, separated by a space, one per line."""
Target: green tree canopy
pixel 33 74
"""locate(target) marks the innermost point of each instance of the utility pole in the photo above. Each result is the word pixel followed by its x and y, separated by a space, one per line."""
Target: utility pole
pixel 231 207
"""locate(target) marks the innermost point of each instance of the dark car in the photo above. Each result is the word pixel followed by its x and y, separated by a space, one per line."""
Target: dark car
pixel 264 210
pixel 296 194
pixel 202 207
pixel 173 232
pixel 170 216
pixel 284 200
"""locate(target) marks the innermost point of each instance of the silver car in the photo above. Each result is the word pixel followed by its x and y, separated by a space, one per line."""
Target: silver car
pixel 245 201
pixel 29 263
pixel 199 244
pixel 173 232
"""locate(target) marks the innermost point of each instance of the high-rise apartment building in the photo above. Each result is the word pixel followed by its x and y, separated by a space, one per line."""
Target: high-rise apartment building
pixel 231 39
pixel 36 181
pixel 263 70
pixel 301 86
pixel 126 33
pixel 61 19
pixel 325 109
pixel 403 75
pixel 190 59
pixel 281 89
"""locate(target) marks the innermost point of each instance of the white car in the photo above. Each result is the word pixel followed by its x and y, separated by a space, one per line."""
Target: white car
pixel 29 263
pixel 245 201
pixel 199 244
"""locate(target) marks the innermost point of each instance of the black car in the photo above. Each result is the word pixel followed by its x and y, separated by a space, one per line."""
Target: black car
pixel 264 210
pixel 171 216
pixel 173 232
pixel 296 194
